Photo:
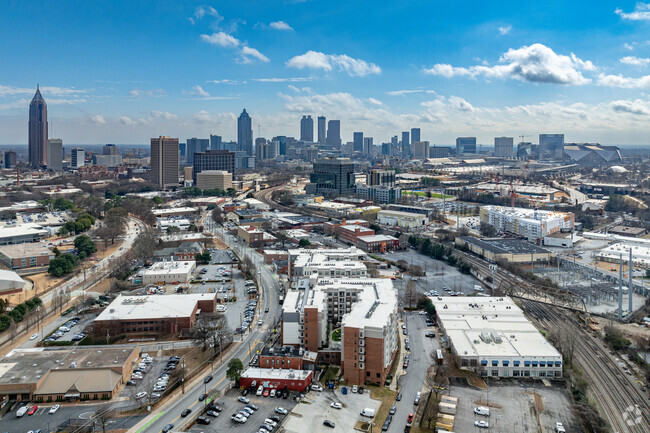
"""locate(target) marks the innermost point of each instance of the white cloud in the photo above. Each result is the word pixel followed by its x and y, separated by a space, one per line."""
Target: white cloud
pixel 329 62
pixel 536 63
pixel 281 25
pixel 127 120
pixel 637 106
pixel 407 92
pixel 624 82
pixel 283 80
pixel 46 91
pixel 226 81
pixel 628 46
pixel 504 30
pixel 202 11
pixel 294 88
pixel 641 13
pixel 163 115
pixel 636 61
pixel 98 119
pixel 136 93
pixel 198 91
pixel 221 39
pixel 375 101
pixel 248 54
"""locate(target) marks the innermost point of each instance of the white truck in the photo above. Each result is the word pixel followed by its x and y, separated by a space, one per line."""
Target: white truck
pixel 370 413
pixel 559 428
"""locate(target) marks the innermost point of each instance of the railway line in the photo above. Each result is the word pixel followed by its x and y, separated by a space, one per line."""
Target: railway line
pixel 624 404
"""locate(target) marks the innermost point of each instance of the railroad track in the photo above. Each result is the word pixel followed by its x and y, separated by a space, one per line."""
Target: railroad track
pixel 624 404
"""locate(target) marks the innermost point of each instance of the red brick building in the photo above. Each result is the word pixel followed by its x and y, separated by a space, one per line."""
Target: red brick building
pixel 27 255
pixel 282 379
pixel 350 233
pixel 272 255
pixel 377 243
pixel 287 357
pixel 330 228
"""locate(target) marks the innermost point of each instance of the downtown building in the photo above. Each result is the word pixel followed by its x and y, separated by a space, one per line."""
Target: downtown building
pixel 504 147
pixel 164 162
pixel 332 177
pixel 531 224
pixel 37 131
pixel 245 133
pixel 55 154
pixel 213 160
pixel 465 145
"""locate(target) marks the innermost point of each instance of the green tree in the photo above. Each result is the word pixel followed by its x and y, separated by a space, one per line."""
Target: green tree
pixel 304 242
pixel 157 200
pixel 85 246
pixel 235 367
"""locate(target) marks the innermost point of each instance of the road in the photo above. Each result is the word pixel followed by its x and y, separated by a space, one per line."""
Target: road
pixel 413 380
pixel 169 413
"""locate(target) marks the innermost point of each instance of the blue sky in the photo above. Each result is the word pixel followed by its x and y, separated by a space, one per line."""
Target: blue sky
pixel 124 71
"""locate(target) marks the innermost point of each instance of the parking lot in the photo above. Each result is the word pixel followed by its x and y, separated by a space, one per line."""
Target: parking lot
pixel 514 407
pixel 223 423
pixel 309 417
pixel 146 384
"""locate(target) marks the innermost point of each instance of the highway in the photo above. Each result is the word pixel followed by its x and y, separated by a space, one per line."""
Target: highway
pixel 169 412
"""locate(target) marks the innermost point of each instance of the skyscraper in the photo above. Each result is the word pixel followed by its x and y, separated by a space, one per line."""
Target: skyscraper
pixel 307 129
pixel 215 142
pixel 334 133
pixel 503 146
pixel 367 145
pixel 321 130
pixel 213 160
pixel 196 145
pixel 77 157
pixel 282 144
pixel 465 145
pixel 245 133
pixel 110 149
pixel 406 144
pixel 37 131
pixel 551 146
pixel 415 135
pixel 421 150
pixel 164 162
pixel 333 177
pixel 358 141
pixel 55 154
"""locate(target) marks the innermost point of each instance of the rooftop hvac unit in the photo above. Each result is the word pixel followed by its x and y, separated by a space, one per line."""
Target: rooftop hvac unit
pixel 485 337
pixel 496 338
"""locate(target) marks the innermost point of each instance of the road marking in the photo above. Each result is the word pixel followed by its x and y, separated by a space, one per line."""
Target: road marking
pixel 151 422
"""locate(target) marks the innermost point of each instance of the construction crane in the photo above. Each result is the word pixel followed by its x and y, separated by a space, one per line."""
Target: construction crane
pixel 512 192
pixel 523 136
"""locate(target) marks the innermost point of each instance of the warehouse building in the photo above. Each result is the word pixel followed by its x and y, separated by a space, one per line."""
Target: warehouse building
pixel 350 233
pixel 153 315
pixel 492 337
pixel 176 211
pixel 401 219
pixel 10 282
pixel 614 252
pixel 22 233
pixel 378 243
pixel 167 272
pixel 531 224
pixel 66 374
pixel 22 256
pixel 507 250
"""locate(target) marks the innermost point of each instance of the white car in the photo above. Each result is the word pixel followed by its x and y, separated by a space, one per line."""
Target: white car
pixel 336 405
pixel 141 394
pixel 281 410
pixel 481 424
pixel 238 418
pixel 355 389
pixel 33 337
pixel 317 388
pixel 54 408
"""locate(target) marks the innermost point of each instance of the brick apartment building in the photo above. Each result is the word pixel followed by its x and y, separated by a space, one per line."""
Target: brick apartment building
pixel 377 243
pixel 350 233
pixel 330 228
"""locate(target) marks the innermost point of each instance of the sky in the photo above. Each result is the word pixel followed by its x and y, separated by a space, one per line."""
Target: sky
pixel 125 71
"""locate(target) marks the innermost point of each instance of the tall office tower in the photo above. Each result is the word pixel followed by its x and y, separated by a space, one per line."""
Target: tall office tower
pixel 386 149
pixel 358 141
pixel 322 138
pixel 77 156
pixel 307 129
pixel 196 145
pixel 182 149
pixel 262 148
pixel 421 150
pixel 333 176
pixel 110 149
pixel 10 159
pixel 213 160
pixel 406 144
pixel 551 146
pixel 164 162
pixel 37 131
pixel 367 145
pixel 415 135
pixel 216 142
pixel 282 144
pixel 380 178
pixel 465 145
pixel 55 154
pixel 334 133
pixel 274 149
pixel 504 147
pixel 245 133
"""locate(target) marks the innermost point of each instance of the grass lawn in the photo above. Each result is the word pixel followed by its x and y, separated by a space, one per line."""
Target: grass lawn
pixel 331 373
pixel 336 335
pixel 424 194
pixel 387 397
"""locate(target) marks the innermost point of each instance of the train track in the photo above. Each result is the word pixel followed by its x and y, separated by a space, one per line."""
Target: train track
pixel 622 401
pixel 265 196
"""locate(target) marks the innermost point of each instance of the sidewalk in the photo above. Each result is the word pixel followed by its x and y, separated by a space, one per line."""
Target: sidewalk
pixel 400 365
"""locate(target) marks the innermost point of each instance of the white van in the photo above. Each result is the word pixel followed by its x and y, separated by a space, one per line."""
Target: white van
pixel 370 413
pixel 482 410
pixel 478 288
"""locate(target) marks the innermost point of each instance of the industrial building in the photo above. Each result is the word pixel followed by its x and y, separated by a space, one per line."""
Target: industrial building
pixel 282 379
pixel 614 252
pixel 506 250
pixel 166 272
pixel 350 233
pixel 401 219
pixel 153 315
pixel 492 337
pixel 10 282
pixel 176 211
pixel 366 311
pixel 531 224
pixel 66 374
pixel 26 255
pixel 22 233
pixel 377 243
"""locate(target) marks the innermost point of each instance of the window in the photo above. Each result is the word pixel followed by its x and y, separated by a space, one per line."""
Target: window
pixel 515 373
pixel 484 362
pixel 495 372
pixel 367 374
pixel 542 374
pixel 505 363
pixel 495 363
pixel 515 363
pixel 526 373
pixel 378 375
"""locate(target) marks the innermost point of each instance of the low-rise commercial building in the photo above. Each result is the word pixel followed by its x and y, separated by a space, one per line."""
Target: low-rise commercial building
pixel 176 211
pixel 322 266
pixel 153 315
pixel 401 219
pixel 64 374
pixel 10 282
pixel 531 224
pixel 254 236
pixel 331 227
pixel 377 243
pixel 166 272
pixel 22 256
pixel 22 233
pixel 492 337
pixel 281 379
pixel 214 179
pixel 507 250
pixel 350 233
pixel 287 357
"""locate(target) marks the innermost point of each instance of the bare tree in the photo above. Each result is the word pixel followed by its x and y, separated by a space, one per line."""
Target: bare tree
pixel 564 340
pixel 201 333
pixel 145 244
pixel 410 293
pixel 104 415
pixel 221 336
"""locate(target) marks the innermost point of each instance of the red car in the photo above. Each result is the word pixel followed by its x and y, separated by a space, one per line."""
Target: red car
pixel 266 392
pixel 410 418
pixel 32 410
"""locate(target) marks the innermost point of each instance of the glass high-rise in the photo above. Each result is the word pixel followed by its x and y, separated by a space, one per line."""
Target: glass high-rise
pixel 245 133
pixel 37 131
pixel 321 130
pixel 333 176
pixel 334 133
pixel 307 129
pixel 213 160
pixel 358 141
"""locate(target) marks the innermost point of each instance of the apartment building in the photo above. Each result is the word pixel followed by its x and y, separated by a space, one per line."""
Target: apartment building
pixel 531 224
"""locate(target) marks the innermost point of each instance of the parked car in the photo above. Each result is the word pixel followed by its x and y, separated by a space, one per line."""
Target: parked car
pixel 243 399
pixel 329 423
pixel 481 424
pixel 32 410
pixel 281 410
pixel 336 405
pixel 317 388
pixel 54 408
pixel 141 394
pixel 203 420
pixel 417 398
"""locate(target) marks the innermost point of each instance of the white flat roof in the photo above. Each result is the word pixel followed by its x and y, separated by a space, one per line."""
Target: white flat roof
pixel 10 276
pixel 275 373
pixel 170 267
pixel 22 230
pixel 153 306
pixel 398 213
pixel 467 320
pixel 376 238
pixel 162 212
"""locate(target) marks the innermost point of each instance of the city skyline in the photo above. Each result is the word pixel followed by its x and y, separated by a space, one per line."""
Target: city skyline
pixel 472 69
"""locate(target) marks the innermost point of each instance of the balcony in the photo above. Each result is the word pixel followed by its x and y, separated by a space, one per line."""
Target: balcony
pixel 362 342
pixel 362 358
pixel 362 349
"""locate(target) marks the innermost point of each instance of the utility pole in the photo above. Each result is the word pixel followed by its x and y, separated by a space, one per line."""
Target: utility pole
pixel 183 376
pixel 493 267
